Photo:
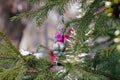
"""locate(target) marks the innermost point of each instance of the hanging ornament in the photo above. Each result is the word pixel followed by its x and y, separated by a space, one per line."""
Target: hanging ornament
pixel 113 8
pixel 59 45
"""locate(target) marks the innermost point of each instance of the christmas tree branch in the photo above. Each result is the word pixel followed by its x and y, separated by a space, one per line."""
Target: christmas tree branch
pixel 8 42
pixel 111 76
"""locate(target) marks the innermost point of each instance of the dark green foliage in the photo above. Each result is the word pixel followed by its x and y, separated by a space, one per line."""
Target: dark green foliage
pixel 104 66
pixel 14 66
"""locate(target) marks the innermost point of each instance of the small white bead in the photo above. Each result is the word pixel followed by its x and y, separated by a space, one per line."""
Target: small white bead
pixel 118 47
pixel 116 40
pixel 117 32
pixel 108 4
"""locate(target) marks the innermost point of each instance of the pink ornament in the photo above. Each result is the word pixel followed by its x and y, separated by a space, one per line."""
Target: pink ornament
pixel 67 35
pixel 52 56
pixel 59 37
pixel 69 30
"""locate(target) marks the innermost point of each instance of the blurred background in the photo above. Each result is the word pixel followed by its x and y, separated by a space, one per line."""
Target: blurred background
pixel 24 33
pixel 9 9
